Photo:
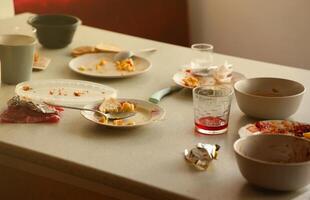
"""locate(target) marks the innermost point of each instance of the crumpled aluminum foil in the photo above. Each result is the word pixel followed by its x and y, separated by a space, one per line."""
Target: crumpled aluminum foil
pixel 201 155
pixel 38 107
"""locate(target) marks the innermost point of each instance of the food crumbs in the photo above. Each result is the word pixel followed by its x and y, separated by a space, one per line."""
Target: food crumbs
pixel 103 120
pixel 131 123
pixel 191 81
pixel 98 67
pixel 102 62
pixel 78 93
pixel 127 107
pixel 307 135
pixel 118 122
pixel 125 65
pixel 82 68
pixel 26 88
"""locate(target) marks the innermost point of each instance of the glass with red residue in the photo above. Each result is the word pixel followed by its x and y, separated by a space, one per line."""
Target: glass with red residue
pixel 212 108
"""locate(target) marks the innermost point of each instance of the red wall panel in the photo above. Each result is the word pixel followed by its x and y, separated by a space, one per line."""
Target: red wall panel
pixel 163 20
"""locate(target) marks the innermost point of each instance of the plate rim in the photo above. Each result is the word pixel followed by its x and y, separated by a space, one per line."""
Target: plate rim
pixel 135 73
pixel 19 86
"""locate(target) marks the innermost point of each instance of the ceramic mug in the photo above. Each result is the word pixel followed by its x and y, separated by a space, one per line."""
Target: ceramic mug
pixel 16 58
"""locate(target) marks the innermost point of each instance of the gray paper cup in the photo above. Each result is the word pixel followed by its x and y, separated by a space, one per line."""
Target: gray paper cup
pixel 16 58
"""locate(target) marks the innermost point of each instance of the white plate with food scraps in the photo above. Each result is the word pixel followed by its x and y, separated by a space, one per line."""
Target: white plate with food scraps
pixel 102 65
pixel 146 113
pixel 277 127
pixel 64 91
pixel 184 75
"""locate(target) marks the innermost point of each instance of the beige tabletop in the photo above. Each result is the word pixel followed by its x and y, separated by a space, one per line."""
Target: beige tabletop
pixel 146 161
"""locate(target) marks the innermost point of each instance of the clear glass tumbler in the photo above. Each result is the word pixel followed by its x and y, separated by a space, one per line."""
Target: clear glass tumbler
pixel 212 108
pixel 205 57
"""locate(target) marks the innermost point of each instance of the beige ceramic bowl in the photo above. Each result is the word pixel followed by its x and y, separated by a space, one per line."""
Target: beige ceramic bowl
pixel 268 98
pixel 278 162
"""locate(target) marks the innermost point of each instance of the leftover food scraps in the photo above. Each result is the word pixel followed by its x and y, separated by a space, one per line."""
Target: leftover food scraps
pixel 125 65
pixel 112 105
pixel 280 127
pixel 26 88
pixel 36 57
pixel 121 122
pixel 191 81
pixel 215 75
pixel 83 50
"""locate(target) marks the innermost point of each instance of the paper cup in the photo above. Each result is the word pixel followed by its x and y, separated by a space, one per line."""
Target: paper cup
pixel 16 58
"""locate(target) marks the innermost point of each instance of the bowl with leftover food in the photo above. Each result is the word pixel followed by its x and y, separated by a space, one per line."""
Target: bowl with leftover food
pixel 268 98
pixel 54 30
pixel 277 162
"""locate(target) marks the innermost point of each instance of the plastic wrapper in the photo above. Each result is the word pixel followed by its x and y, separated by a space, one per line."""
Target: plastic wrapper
pixel 41 108
pixel 21 110
pixel 201 155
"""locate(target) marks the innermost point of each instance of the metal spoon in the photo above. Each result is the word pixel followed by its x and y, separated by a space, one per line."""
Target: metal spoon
pixel 112 116
pixel 122 55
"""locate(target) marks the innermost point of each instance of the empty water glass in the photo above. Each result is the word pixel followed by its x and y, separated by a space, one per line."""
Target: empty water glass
pixel 204 58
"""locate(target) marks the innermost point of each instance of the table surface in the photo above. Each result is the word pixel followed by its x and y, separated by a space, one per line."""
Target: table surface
pixel 148 159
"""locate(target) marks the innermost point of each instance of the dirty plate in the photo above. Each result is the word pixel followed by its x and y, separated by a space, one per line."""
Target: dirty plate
pixel 64 91
pixel 180 75
pixel 146 113
pixel 276 127
pixel 86 65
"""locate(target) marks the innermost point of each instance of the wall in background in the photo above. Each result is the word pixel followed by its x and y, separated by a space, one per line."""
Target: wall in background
pixel 160 20
pixel 276 31
pixel 6 8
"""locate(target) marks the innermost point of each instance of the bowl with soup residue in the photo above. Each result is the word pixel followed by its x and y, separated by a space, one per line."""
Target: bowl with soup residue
pixel 277 162
pixel 268 98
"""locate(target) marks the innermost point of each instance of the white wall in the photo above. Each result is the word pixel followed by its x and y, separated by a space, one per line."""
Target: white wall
pixel 276 31
pixel 6 8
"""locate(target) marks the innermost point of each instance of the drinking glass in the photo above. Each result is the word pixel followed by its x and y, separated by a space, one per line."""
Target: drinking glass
pixel 212 108
pixel 204 59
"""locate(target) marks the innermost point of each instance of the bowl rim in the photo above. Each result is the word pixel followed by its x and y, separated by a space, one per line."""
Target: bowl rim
pixel 31 19
pixel 268 162
pixel 269 97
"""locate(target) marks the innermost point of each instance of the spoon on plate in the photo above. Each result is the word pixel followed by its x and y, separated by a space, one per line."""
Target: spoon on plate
pixel 112 116
pixel 122 55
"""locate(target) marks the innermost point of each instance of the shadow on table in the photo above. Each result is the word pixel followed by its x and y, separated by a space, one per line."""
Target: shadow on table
pixel 255 192
pixel 184 94
pixel 94 131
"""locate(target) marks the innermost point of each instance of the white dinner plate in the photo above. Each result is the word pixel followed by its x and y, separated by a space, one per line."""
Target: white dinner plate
pixel 180 75
pixel 146 113
pixel 64 91
pixel 109 69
